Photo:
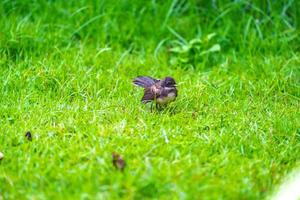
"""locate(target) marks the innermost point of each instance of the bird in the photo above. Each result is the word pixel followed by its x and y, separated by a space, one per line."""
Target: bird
pixel 161 91
pixel 118 161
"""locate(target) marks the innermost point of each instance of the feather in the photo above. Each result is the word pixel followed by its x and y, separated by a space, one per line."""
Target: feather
pixel 148 96
pixel 144 81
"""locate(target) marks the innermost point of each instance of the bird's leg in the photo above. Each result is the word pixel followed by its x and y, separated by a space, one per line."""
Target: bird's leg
pixel 151 107
pixel 155 101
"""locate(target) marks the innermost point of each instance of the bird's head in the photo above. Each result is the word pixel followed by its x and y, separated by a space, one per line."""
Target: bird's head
pixel 169 82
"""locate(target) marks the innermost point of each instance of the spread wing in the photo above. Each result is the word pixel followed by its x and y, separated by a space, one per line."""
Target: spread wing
pixel 144 81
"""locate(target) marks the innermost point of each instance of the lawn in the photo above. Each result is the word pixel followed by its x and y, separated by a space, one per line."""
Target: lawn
pixel 66 71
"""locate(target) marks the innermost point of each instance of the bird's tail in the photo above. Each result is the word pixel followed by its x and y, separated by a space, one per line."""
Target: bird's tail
pixel 144 81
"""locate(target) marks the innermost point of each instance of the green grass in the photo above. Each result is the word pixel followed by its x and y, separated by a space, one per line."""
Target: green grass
pixel 65 75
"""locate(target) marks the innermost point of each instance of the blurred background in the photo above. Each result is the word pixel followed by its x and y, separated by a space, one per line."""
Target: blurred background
pixel 242 27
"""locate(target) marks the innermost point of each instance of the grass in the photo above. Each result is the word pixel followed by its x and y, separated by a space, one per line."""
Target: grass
pixel 66 69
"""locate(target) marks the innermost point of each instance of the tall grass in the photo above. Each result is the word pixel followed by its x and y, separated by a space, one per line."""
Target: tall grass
pixel 65 75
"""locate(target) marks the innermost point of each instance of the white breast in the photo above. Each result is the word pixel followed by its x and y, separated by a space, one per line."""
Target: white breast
pixel 171 97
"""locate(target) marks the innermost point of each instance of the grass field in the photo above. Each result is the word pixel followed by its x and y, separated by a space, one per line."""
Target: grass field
pixel 65 75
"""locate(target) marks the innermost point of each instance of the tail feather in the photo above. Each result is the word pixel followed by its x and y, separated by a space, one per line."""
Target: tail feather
pixel 144 81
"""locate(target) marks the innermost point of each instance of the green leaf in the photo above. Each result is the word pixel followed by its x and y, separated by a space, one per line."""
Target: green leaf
pixel 184 60
pixel 195 41
pixel 215 48
pixel 210 36
pixel 176 49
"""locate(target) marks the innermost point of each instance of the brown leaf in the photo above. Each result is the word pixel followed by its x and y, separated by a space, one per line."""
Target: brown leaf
pixel 28 136
pixel 118 161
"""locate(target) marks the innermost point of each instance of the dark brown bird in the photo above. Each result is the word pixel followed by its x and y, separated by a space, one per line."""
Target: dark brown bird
pixel 118 161
pixel 28 136
pixel 159 91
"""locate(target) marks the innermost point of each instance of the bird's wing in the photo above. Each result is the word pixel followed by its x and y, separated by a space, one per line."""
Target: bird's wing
pixel 148 95
pixel 144 81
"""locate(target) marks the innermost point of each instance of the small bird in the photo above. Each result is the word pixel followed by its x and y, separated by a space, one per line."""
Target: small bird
pixel 159 91
pixel 28 136
pixel 118 161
